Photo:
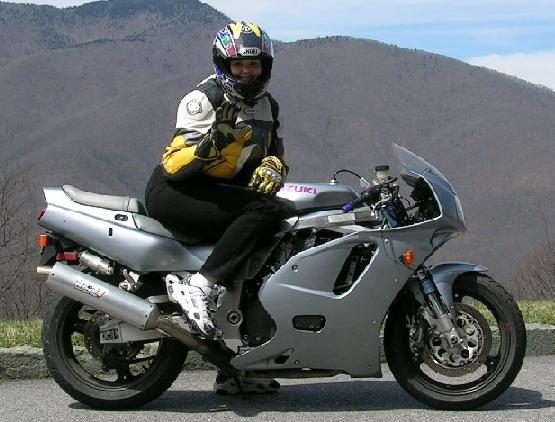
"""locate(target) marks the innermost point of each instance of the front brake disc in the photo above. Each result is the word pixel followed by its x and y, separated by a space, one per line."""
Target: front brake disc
pixel 466 358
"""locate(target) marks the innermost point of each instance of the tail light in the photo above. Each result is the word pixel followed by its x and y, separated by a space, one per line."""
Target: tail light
pixel 41 213
pixel 70 257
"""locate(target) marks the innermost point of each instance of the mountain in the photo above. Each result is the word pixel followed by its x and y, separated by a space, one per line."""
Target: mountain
pixel 89 96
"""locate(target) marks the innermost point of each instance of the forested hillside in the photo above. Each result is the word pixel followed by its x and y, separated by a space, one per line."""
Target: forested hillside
pixel 89 96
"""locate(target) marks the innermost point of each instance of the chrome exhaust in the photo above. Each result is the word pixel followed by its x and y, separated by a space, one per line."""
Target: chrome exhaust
pixel 100 295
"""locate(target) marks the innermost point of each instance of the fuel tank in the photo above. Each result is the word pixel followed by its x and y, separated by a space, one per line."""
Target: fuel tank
pixel 309 197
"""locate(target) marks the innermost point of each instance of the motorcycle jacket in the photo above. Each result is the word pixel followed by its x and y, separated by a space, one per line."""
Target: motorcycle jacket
pixel 235 163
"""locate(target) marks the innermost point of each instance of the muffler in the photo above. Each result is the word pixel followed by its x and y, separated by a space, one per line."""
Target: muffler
pixel 122 305
pixel 96 293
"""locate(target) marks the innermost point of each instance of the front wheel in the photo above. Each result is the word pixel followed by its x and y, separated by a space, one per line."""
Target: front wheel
pixel 496 344
pixel 117 376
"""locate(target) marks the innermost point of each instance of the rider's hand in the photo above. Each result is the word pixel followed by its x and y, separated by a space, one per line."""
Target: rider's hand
pixel 269 176
pixel 224 131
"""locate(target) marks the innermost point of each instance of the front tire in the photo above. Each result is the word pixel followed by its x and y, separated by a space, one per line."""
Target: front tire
pixel 467 386
pixel 127 376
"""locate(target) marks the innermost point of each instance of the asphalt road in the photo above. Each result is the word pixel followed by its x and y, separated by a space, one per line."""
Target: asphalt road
pixel 531 398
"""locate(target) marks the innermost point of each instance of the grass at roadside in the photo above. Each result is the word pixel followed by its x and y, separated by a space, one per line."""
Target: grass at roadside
pixel 541 311
pixel 20 333
pixel 28 333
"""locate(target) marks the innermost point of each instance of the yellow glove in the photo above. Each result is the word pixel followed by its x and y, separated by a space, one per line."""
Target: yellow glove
pixel 269 176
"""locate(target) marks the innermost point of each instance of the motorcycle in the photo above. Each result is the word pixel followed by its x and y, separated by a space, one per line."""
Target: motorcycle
pixel 344 269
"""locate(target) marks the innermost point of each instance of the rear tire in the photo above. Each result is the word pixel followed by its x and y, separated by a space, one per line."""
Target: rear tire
pixel 64 324
pixel 494 376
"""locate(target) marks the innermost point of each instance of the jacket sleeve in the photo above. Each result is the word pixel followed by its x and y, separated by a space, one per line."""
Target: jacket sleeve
pixel 190 149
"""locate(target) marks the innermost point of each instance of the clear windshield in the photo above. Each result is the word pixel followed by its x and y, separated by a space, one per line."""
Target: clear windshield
pixel 445 193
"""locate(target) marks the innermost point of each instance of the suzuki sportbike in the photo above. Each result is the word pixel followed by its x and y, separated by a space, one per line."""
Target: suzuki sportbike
pixel 346 269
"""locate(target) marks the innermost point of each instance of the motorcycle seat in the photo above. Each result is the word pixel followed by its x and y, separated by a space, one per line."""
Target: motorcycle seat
pixel 127 204
pixel 111 202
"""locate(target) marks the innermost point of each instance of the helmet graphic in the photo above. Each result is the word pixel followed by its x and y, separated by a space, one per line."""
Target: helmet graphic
pixel 242 40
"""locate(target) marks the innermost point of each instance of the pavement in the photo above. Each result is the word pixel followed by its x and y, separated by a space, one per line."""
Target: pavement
pixel 530 398
pixel 28 362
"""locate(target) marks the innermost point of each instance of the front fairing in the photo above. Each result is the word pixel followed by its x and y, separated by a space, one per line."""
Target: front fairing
pixel 450 222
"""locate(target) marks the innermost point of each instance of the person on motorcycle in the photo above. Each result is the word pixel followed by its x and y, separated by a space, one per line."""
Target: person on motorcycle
pixel 218 177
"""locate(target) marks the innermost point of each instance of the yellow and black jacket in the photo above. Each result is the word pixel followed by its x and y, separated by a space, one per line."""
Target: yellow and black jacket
pixel 236 162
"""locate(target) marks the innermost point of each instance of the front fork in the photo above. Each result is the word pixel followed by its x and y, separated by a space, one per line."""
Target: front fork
pixel 439 316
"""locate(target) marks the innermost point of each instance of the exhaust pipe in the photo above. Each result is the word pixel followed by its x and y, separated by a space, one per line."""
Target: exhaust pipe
pixel 43 273
pixel 91 291
pixel 210 350
pixel 122 305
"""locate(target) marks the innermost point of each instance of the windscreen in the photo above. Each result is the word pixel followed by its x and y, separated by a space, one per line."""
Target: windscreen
pixel 445 193
pixel 417 165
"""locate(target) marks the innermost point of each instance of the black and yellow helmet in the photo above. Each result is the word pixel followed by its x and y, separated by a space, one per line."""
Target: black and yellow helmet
pixel 242 40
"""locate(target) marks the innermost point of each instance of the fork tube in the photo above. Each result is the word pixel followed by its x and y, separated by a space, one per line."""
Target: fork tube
pixel 441 312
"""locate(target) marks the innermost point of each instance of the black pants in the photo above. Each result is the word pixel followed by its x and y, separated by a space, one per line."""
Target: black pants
pixel 239 219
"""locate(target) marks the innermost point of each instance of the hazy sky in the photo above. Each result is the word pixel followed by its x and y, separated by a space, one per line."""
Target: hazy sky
pixel 516 37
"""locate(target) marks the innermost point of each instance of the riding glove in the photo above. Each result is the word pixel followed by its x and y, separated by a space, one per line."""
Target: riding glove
pixel 223 132
pixel 269 176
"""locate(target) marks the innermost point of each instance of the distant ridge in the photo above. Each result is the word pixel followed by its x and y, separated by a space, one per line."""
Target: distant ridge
pixel 90 96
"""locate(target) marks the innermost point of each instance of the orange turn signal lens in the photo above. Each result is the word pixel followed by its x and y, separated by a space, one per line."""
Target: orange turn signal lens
pixel 408 258
pixel 43 240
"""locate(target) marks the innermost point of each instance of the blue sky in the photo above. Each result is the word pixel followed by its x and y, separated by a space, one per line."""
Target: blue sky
pixel 516 37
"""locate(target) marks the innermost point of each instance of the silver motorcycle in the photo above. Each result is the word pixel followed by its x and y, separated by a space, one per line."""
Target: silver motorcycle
pixel 345 270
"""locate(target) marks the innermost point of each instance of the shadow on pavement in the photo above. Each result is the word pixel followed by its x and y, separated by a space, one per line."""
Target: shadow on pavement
pixel 353 396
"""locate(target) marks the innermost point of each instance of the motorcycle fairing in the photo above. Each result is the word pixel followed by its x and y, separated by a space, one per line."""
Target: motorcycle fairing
pixel 353 319
pixel 349 318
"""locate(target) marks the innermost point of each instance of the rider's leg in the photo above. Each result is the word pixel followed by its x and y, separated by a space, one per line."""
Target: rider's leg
pixel 205 211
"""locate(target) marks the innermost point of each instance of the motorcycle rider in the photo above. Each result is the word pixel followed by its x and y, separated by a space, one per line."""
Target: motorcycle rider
pixel 219 175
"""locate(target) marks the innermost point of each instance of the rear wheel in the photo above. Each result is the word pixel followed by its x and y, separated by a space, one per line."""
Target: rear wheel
pixel 488 364
pixel 107 376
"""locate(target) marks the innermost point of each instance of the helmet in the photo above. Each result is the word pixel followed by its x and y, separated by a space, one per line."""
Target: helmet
pixel 242 40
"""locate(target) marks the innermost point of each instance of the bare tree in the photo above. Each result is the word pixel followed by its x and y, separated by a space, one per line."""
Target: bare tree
pixel 20 296
pixel 536 277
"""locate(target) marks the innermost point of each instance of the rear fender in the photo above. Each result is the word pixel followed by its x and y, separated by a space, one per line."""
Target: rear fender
pixel 446 273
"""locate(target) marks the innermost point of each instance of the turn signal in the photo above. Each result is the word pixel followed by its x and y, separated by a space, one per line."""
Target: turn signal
pixel 408 258
pixel 43 240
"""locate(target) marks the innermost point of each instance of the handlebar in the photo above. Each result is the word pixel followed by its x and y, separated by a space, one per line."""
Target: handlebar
pixel 370 195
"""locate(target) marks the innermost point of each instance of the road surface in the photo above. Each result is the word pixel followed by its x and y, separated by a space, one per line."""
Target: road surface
pixel 531 398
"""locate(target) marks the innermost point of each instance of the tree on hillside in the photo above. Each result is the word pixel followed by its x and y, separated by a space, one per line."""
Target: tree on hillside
pixel 20 296
pixel 536 277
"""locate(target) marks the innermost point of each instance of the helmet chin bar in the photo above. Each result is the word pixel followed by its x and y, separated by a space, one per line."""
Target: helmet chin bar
pixel 250 90
pixel 243 91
